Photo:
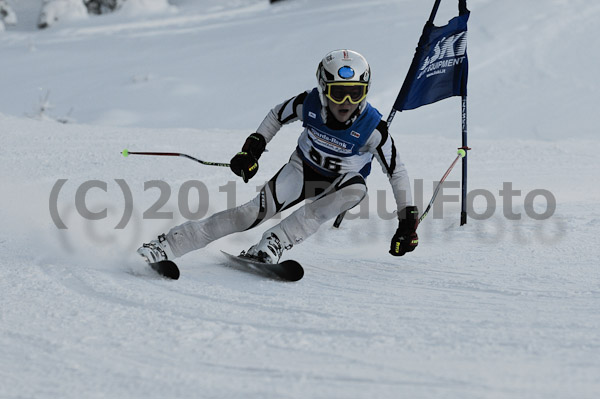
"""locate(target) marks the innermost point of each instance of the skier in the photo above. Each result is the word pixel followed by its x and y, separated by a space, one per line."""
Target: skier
pixel 342 133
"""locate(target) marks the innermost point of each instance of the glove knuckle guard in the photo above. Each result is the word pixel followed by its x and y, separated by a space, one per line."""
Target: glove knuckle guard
pixel 255 145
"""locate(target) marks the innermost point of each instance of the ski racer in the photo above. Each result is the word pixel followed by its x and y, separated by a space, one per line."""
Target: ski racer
pixel 342 134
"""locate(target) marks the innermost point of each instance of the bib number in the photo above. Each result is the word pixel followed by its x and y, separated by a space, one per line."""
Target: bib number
pixel 331 164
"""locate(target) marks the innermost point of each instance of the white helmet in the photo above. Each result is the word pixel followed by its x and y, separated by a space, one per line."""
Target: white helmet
pixel 343 66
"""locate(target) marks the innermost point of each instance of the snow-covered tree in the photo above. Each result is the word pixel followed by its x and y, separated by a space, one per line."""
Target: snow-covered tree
pixel 102 6
pixel 7 15
pixel 54 10
pixel 131 7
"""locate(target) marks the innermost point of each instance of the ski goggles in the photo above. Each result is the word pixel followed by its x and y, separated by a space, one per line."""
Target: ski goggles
pixel 339 92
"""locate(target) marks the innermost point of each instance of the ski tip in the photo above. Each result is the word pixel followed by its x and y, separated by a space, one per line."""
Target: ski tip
pixel 167 269
pixel 287 270
pixel 173 274
pixel 295 270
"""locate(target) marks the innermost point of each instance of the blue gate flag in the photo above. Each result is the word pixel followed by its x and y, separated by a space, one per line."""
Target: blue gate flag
pixel 440 66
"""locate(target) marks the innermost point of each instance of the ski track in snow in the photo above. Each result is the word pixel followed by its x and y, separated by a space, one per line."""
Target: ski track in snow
pixel 498 308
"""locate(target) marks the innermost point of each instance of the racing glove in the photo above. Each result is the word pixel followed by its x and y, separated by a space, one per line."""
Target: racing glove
pixel 406 239
pixel 245 162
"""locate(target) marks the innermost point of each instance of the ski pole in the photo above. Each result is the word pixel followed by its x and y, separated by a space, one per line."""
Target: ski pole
pixel 462 151
pixel 126 153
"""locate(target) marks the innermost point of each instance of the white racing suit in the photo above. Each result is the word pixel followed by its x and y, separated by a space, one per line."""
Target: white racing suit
pixel 328 169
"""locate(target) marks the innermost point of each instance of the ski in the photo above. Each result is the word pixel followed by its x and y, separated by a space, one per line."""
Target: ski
pixel 288 270
pixel 166 268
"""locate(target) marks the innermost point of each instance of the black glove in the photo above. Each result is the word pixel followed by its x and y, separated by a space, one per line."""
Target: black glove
pixel 245 162
pixel 244 165
pixel 406 238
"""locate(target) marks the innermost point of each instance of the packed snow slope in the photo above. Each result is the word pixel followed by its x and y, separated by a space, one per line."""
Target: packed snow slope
pixel 503 307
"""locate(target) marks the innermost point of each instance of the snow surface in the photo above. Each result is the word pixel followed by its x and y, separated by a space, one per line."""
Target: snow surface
pixel 498 308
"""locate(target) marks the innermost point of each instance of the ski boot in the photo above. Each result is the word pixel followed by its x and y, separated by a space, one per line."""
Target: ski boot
pixel 156 250
pixel 270 248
